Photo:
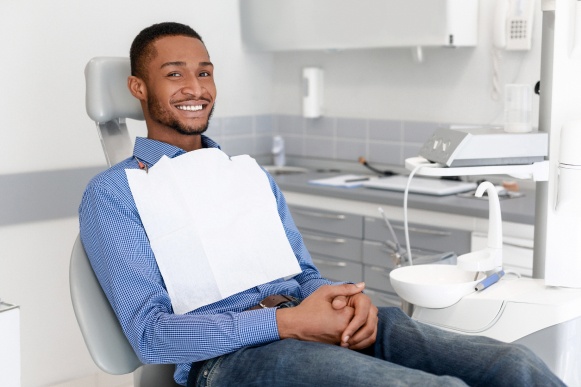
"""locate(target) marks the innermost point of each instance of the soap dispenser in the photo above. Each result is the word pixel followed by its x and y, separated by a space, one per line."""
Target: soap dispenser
pixel 278 151
pixel 490 258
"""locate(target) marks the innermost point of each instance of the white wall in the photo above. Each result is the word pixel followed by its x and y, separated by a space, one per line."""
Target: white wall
pixel 451 85
pixel 44 46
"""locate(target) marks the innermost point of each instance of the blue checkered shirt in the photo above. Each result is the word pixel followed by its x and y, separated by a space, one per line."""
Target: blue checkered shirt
pixel 121 256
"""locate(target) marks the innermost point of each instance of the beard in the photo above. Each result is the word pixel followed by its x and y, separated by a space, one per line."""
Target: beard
pixel 161 115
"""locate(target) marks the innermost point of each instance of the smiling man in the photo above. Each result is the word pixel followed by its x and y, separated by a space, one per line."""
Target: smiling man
pixel 294 330
pixel 173 78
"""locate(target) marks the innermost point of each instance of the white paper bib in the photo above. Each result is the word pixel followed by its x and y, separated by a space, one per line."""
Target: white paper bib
pixel 213 225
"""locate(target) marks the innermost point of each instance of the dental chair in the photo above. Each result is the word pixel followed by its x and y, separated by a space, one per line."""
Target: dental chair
pixel 109 103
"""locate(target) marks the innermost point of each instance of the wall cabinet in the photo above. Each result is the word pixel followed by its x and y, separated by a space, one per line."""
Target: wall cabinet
pixel 282 25
pixel 350 247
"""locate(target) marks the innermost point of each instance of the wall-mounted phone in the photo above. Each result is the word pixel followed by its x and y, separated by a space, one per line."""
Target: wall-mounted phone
pixel 513 24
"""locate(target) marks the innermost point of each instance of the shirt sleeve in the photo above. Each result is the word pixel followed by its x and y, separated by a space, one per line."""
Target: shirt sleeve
pixel 119 252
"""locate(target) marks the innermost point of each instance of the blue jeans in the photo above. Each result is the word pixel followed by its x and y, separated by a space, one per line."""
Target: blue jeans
pixel 406 353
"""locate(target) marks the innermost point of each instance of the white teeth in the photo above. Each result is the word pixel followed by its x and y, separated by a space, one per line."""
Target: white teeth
pixel 190 108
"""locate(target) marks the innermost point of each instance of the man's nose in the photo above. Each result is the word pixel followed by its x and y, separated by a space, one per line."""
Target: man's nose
pixel 193 87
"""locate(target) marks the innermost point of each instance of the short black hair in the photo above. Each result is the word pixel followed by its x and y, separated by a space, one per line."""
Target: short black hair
pixel 142 47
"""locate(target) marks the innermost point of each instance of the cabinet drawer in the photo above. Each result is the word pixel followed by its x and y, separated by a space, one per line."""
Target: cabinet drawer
pixel 383 299
pixel 421 237
pixel 338 269
pixel 328 221
pixel 377 278
pixel 332 245
pixel 378 254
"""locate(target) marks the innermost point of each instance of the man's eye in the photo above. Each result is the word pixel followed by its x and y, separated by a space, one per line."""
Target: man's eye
pixel 174 75
pixel 205 74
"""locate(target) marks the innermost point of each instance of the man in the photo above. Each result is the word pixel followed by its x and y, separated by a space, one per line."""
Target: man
pixel 319 333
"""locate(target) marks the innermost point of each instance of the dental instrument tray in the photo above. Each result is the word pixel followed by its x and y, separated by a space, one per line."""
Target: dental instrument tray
pixel 477 146
pixel 421 185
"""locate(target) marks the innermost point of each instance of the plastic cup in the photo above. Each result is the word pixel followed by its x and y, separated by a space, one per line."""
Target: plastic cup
pixel 518 106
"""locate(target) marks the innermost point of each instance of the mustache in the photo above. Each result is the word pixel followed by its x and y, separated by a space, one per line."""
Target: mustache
pixel 188 100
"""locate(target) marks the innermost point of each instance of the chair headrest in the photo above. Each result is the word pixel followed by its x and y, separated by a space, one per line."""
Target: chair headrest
pixel 107 96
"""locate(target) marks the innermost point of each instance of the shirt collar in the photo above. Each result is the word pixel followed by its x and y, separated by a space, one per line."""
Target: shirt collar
pixel 150 151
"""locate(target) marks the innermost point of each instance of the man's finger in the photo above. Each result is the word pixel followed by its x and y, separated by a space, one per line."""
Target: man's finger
pixel 333 291
pixel 339 302
pixel 357 322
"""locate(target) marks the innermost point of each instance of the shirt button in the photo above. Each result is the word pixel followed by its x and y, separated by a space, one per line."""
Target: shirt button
pixel 206 373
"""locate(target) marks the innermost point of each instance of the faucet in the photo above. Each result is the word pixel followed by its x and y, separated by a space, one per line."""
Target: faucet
pixel 490 258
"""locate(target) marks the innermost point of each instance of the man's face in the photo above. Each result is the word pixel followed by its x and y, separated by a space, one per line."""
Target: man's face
pixel 180 86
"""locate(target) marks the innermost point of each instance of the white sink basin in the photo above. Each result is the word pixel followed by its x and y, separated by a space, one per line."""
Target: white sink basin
pixel 284 170
pixel 432 286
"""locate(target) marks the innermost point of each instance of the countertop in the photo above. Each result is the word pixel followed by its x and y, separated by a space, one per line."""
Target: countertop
pixel 517 210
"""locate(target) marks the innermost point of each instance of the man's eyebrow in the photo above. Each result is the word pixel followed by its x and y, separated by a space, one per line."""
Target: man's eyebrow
pixel 166 64
pixel 182 64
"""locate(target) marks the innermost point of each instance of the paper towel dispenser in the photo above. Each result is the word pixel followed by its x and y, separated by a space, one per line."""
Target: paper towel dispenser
pixel 283 25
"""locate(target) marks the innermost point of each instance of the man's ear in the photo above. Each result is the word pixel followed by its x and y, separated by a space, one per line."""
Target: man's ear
pixel 137 87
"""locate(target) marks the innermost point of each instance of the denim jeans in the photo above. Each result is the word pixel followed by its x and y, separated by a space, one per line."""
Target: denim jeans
pixel 406 353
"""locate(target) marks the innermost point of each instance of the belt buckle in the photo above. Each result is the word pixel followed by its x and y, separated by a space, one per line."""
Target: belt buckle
pixel 275 301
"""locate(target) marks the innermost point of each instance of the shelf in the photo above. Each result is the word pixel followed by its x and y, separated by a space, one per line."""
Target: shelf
pixel 538 171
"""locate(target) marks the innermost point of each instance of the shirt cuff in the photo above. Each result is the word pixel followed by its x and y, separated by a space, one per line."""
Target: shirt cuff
pixel 309 286
pixel 257 326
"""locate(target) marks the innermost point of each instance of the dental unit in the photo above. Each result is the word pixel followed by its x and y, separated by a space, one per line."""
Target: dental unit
pixel 476 296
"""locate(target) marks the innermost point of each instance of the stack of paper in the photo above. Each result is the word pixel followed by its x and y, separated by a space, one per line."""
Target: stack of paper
pixel 346 181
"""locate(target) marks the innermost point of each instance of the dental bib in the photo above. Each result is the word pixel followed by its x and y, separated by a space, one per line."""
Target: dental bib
pixel 213 225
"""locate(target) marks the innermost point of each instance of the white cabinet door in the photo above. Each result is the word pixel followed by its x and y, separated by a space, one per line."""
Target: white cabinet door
pixel 282 25
pixel 9 345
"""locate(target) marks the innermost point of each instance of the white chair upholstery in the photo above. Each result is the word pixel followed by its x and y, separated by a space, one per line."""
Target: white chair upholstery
pixel 103 336
pixel 109 103
pixel 101 330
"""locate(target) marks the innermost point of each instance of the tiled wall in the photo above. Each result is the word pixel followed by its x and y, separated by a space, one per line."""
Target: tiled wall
pixel 379 141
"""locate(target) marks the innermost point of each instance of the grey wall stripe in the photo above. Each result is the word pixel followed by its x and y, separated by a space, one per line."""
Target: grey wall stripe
pixel 38 196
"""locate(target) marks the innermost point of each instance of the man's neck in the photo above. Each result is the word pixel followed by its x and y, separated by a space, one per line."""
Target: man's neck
pixel 185 142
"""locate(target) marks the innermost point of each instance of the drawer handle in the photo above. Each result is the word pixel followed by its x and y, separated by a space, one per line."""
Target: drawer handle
pixel 329 263
pixel 383 272
pixel 512 244
pixel 320 215
pixel 324 239
pixel 425 231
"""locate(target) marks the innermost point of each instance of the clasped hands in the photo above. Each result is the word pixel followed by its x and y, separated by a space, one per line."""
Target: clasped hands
pixel 333 314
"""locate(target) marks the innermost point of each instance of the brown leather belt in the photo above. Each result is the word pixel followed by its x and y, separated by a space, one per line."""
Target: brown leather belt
pixel 274 301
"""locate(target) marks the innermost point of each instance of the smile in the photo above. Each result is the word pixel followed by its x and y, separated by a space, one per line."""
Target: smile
pixel 190 108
